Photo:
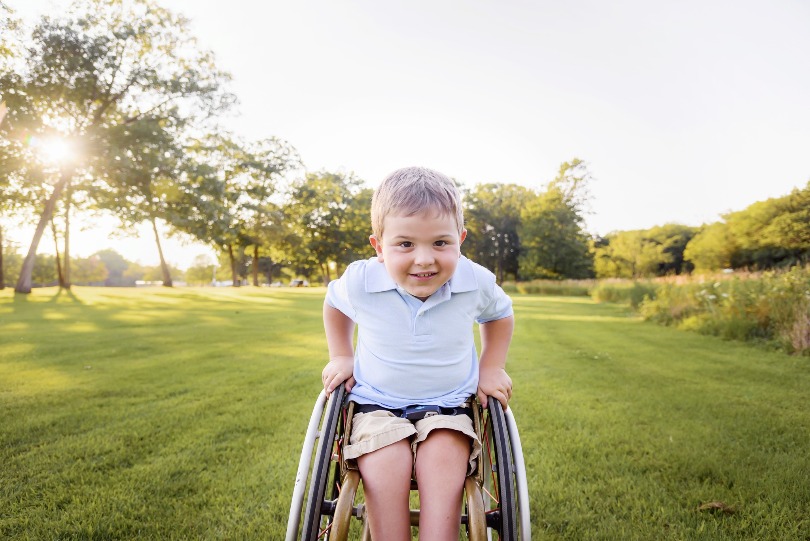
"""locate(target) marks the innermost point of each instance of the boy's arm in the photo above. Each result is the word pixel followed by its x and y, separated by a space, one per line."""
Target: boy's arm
pixel 492 377
pixel 339 337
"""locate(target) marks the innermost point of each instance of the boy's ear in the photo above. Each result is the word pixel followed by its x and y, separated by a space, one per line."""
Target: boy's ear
pixel 377 244
pixel 462 237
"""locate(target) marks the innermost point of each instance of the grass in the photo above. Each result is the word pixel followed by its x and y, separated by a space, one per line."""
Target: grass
pixel 179 414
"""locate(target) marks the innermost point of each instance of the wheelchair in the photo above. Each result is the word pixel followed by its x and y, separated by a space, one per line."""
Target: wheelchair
pixel 495 503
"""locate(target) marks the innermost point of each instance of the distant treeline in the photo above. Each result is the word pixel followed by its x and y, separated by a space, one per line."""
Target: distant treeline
pixel 768 234
pixel 519 233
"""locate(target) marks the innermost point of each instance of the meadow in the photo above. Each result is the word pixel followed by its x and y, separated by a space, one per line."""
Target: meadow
pixel 179 414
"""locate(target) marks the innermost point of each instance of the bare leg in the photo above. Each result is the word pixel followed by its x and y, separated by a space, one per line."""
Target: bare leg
pixel 386 477
pixel 441 466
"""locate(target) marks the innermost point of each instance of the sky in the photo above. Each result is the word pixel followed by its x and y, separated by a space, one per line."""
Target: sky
pixel 682 110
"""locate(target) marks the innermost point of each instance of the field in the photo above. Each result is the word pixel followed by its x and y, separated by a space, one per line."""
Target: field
pixel 179 414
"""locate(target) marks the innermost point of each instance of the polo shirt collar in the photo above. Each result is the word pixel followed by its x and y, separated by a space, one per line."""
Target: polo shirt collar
pixel 378 280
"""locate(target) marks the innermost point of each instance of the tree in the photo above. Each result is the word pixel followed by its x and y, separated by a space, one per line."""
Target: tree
pixel 201 272
pixel 8 25
pixel 90 271
pixel 264 163
pixel 329 217
pixel 492 214
pixel 142 163
pixel 12 261
pixel 10 161
pixel 658 251
pixel 43 272
pixel 712 248
pixel 110 63
pixel 226 193
pixel 553 241
pixel 790 227
pixel 630 254
pixel 116 267
pixel 672 238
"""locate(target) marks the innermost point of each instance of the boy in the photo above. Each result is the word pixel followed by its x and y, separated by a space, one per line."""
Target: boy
pixel 415 305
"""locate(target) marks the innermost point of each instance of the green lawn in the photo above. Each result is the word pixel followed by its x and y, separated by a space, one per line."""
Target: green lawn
pixel 179 414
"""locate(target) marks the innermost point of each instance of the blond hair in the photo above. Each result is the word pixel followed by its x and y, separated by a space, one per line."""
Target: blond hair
pixel 413 190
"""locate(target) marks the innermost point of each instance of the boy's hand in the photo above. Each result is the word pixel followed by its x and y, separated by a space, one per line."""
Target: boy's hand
pixel 337 371
pixel 494 382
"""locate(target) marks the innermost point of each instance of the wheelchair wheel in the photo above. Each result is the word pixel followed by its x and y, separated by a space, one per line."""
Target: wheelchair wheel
pixel 323 485
pixel 506 497
pixel 325 426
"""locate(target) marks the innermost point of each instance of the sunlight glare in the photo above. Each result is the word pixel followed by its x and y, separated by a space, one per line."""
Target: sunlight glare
pixel 54 150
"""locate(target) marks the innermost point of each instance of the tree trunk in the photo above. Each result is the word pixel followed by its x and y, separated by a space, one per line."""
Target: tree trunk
pixel 255 265
pixel 59 275
pixel 24 283
pixel 167 277
pixel 2 273
pixel 68 197
pixel 234 277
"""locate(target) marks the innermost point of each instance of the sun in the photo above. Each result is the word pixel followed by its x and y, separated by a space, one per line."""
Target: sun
pixel 55 150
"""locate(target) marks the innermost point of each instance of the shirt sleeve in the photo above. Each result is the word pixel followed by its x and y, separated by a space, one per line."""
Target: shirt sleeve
pixel 499 307
pixel 338 291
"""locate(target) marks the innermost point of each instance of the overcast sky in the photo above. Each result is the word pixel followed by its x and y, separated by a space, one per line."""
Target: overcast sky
pixel 682 110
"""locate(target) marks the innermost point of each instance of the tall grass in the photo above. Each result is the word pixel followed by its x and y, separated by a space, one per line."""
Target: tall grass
pixel 632 293
pixel 566 288
pixel 771 307
pixel 179 414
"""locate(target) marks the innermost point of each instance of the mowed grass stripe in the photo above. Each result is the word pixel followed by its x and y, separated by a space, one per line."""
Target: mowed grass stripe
pixel 634 426
pixel 179 414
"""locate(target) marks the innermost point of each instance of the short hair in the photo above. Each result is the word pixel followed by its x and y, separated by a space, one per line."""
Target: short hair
pixel 411 190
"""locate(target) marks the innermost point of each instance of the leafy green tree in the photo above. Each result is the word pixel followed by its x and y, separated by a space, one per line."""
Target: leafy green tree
pixel 8 52
pixel 630 254
pixel 90 271
pixel 265 163
pixel 226 194
pixel 44 270
pixel 329 217
pixel 12 261
pixel 712 248
pixel 553 240
pixel 746 227
pixel 790 227
pixel 672 238
pixel 143 159
pixel 136 272
pixel 109 63
pixel 116 267
pixel 201 272
pixel 270 268
pixel 492 216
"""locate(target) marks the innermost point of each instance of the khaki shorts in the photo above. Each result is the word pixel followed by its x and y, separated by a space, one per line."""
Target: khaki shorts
pixel 377 429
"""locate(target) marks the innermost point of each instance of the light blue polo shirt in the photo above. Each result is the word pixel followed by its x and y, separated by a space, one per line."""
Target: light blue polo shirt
pixel 412 352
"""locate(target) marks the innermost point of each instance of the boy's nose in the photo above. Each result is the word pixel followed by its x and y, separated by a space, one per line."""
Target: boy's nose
pixel 423 256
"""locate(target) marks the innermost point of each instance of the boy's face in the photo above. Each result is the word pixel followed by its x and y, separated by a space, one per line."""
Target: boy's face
pixel 420 252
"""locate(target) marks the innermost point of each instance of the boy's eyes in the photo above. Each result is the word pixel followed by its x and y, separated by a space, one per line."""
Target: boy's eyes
pixel 409 244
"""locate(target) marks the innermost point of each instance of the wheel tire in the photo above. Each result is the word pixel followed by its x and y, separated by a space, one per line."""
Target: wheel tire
pixel 325 471
pixel 503 468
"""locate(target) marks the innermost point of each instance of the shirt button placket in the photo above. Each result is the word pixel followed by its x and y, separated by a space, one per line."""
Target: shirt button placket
pixel 421 325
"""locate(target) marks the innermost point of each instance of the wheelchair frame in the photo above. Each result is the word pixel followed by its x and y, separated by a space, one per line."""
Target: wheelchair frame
pixel 496 498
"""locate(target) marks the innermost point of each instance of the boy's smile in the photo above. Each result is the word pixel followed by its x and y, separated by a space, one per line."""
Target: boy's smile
pixel 420 252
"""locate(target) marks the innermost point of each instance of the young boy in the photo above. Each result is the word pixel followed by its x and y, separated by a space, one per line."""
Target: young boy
pixel 415 305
